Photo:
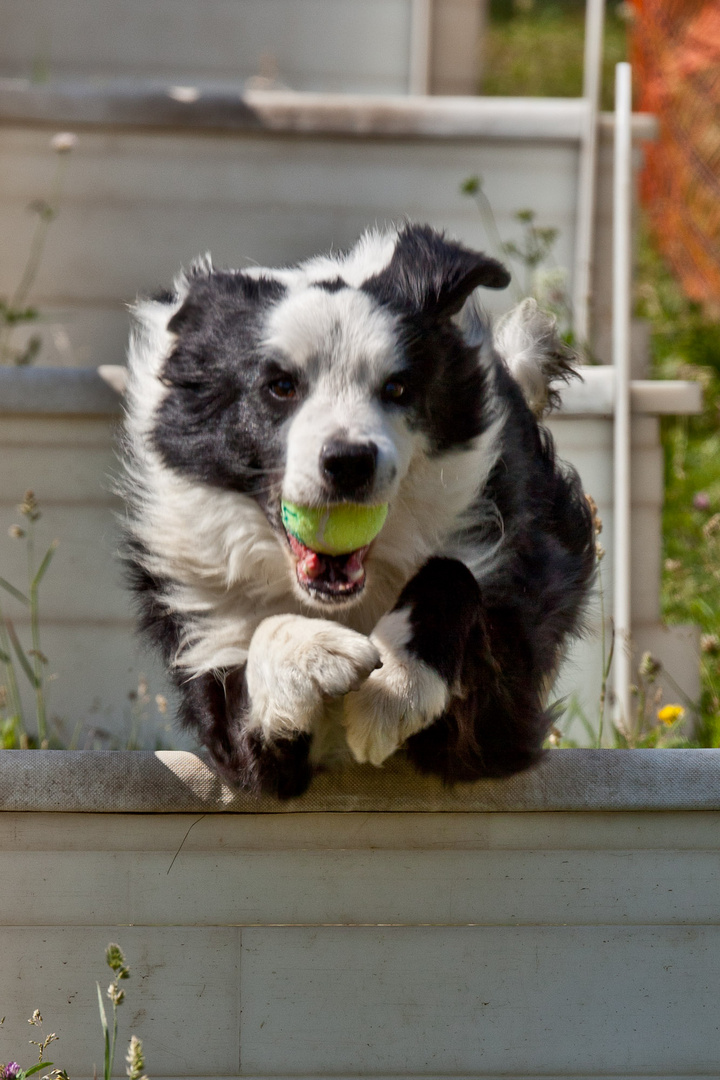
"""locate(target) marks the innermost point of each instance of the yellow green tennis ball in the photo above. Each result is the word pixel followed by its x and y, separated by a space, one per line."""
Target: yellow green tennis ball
pixel 334 530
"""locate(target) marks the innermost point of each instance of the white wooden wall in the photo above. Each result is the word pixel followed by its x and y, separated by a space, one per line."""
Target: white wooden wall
pixel 515 943
pixel 138 207
pixel 268 179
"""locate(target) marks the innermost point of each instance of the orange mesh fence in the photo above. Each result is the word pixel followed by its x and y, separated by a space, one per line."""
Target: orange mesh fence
pixel 676 62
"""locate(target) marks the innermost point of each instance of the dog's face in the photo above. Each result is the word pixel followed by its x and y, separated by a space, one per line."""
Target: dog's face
pixel 321 385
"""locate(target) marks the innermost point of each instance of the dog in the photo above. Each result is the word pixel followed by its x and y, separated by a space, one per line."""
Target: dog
pixel 369 378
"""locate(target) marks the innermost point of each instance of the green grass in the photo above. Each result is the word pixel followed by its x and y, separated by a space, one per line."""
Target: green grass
pixel 539 52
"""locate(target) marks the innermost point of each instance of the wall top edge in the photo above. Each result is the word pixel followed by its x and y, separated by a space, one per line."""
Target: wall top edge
pixel 96 391
pixel 222 107
pixel 182 782
pixel 56 391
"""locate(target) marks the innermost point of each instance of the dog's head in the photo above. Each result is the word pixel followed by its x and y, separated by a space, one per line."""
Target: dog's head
pixel 320 385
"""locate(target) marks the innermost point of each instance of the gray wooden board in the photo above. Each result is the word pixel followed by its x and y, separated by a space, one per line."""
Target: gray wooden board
pixel 572 992
pixel 182 997
pixel 314 44
pixel 137 207
pixel 570 1001
pixel 172 834
pixel 492 999
pixel 357 887
pixel 464 1000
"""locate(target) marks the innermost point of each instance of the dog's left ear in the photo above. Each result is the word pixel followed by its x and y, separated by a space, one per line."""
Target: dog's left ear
pixel 432 275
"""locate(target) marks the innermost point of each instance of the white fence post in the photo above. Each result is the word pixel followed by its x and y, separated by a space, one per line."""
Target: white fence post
pixel 592 83
pixel 622 301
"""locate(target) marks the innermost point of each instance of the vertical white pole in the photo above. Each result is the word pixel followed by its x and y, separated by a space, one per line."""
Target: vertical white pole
pixel 420 37
pixel 592 82
pixel 622 300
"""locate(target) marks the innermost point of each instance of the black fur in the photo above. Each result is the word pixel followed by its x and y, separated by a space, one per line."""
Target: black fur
pixel 496 641
pixel 212 707
pixel 497 645
pixel 433 276
pixel 218 424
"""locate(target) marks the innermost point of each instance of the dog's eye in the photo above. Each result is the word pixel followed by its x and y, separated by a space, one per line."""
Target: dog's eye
pixel 394 391
pixel 284 388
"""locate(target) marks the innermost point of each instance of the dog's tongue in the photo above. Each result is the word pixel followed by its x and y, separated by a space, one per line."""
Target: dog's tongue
pixel 331 573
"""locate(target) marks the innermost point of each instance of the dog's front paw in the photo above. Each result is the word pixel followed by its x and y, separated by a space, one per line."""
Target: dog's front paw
pixel 295 663
pixel 405 695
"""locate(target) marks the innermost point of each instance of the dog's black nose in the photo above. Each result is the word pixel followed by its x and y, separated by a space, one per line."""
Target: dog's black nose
pixel 348 468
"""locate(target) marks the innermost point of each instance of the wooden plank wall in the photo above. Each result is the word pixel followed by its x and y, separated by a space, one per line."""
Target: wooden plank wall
pixel 357 46
pixel 375 945
pixel 138 206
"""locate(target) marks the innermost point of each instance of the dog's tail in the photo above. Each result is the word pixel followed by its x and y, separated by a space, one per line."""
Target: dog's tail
pixel 530 344
pixel 539 360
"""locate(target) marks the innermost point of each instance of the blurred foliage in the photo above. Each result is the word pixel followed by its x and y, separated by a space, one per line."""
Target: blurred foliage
pixel 534 48
pixel 685 344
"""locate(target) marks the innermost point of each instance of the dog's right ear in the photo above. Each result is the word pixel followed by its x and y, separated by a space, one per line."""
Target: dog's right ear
pixel 210 293
pixel 434 276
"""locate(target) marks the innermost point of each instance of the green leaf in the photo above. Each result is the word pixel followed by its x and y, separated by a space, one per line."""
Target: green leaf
pixel 24 662
pixel 471 186
pixel 44 564
pixel 14 592
pixel 36 1068
pixel 106 1031
pixel 28 354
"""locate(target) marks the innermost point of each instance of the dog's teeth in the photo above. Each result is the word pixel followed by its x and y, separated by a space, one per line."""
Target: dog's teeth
pixel 354 570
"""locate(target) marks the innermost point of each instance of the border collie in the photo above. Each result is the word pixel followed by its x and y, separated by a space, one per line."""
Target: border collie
pixel 369 377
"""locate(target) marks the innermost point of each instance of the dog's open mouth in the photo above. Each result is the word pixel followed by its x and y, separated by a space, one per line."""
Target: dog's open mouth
pixel 333 577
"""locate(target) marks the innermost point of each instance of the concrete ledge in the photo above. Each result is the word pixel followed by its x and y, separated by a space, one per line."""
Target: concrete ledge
pixel 221 107
pixel 593 394
pixel 56 391
pixel 180 782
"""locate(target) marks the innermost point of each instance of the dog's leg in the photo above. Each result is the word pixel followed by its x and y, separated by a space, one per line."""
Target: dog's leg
pixel 294 664
pixel 421 644
pixel 458 683
pixel 214 707
pixel 257 722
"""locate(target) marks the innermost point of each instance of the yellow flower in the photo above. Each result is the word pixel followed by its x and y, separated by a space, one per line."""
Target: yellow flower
pixel 670 713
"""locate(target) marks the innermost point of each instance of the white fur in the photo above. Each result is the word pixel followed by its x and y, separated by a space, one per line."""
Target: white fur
pixel 402 697
pixel 295 663
pixel 358 353
pixel 239 595
pixel 368 257
pixel 527 339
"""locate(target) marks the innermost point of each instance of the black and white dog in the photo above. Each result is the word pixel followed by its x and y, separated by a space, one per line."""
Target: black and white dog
pixel 370 377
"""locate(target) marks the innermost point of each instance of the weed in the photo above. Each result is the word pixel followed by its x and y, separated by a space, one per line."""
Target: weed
pixel 15 310
pixel 135 1058
pixel 685 343
pixel 532 267
pixel 14 658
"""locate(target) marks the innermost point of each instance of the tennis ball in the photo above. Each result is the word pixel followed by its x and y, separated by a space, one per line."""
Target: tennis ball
pixel 334 530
